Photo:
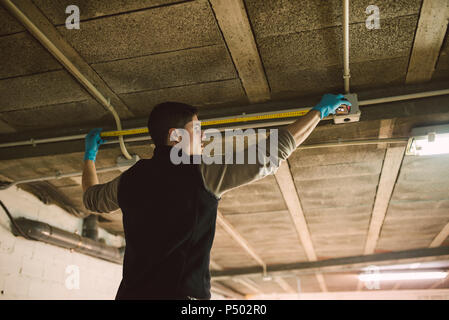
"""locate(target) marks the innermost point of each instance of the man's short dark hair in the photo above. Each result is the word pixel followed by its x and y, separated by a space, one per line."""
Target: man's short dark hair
pixel 167 115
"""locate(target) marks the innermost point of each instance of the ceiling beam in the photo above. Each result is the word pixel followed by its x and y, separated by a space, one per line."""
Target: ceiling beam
pixel 46 33
pixel 221 220
pixel 215 265
pixel 390 170
pixel 254 287
pixel 249 284
pixel 439 239
pixel 233 22
pixel 288 190
pixel 336 265
pixel 225 291
pixel 243 281
pixel 432 26
pixel 232 231
pixel 438 283
pixel 385 131
pixel 220 288
pixel 284 284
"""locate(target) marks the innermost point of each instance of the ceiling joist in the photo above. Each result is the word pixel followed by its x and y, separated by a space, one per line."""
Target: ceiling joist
pixel 386 131
pixel 236 29
pixel 232 231
pixel 432 26
pixel 390 170
pixel 248 283
pixel 284 285
pixel 287 186
pixel 225 291
pixel 439 239
pixel 220 288
pixel 388 176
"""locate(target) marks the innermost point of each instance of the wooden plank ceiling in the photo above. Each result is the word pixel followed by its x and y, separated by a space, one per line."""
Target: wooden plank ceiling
pixel 323 203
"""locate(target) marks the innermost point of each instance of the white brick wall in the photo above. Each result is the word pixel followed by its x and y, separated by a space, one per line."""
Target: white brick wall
pixel 35 270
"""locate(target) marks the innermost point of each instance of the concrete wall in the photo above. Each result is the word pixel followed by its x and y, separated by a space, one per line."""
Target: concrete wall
pixel 35 270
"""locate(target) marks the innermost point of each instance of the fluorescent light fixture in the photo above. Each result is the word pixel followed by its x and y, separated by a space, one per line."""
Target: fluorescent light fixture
pixel 365 277
pixel 425 141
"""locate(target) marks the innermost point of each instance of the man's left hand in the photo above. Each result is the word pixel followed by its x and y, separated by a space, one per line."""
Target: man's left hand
pixel 93 142
pixel 329 103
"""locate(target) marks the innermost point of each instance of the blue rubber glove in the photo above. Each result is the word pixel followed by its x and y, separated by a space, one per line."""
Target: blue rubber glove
pixel 93 142
pixel 329 103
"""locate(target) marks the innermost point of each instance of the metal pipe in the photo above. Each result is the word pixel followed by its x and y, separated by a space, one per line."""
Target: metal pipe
pixel 90 227
pixel 119 128
pixel 340 143
pixel 34 142
pixel 60 176
pixel 410 96
pixel 345 143
pixel 221 220
pixel 338 265
pixel 49 45
pixel 40 231
pixel 403 97
pixel 347 74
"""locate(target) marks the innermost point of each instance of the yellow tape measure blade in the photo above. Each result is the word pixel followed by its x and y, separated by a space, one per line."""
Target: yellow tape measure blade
pixel 123 132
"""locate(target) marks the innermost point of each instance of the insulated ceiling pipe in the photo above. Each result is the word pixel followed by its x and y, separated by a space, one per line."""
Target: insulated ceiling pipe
pixel 48 44
pixel 40 231
pixel 347 73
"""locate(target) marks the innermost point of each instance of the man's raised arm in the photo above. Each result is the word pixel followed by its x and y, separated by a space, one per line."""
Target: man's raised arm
pixel 303 127
pixel 220 178
pixel 97 197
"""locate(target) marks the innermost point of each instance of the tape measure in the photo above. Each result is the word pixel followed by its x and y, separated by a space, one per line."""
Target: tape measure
pixel 207 123
pixel 123 132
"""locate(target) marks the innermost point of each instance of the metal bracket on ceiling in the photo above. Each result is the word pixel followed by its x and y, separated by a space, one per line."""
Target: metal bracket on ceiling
pixel 265 276
pixel 354 114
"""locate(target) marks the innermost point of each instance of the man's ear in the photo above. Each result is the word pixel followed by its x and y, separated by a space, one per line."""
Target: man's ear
pixel 173 135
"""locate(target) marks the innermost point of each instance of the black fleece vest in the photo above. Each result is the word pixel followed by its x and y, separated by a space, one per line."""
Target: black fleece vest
pixel 169 222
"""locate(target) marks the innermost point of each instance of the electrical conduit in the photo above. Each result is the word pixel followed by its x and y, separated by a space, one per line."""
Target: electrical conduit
pixel 49 45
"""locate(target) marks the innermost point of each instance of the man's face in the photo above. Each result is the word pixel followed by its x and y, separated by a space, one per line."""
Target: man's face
pixel 196 136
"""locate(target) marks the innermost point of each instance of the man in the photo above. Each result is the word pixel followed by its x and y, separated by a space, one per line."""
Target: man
pixel 169 211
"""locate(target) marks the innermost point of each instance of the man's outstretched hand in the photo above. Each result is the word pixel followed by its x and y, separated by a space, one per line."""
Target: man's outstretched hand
pixel 93 142
pixel 329 103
